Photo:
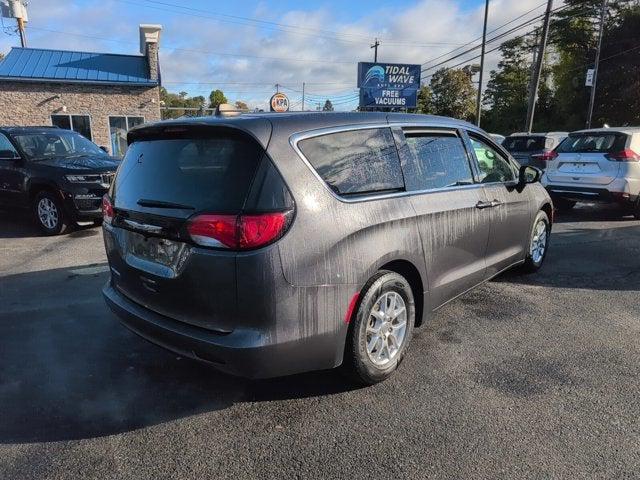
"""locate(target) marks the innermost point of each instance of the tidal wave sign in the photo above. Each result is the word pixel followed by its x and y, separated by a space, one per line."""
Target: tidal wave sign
pixel 388 85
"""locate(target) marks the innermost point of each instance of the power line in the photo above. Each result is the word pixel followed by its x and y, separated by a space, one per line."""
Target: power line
pixel 179 49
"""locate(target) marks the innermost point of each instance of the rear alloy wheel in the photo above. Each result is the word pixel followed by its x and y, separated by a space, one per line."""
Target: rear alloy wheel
pixel 49 213
pixel 538 243
pixel 382 328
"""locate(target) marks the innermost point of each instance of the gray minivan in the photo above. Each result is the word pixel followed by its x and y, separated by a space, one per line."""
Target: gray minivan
pixel 535 149
pixel 272 244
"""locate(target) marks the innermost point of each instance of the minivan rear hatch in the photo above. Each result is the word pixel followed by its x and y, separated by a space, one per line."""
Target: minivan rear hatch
pixel 168 175
pixel 585 158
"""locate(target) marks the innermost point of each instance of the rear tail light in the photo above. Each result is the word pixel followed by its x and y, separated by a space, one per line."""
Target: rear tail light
pixel 107 209
pixel 626 155
pixel 238 232
pixel 546 156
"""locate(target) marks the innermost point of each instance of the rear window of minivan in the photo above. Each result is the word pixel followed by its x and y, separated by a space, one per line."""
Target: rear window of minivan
pixel 210 172
pixel 593 143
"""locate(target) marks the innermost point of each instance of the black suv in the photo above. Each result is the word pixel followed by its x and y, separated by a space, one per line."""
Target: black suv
pixel 58 174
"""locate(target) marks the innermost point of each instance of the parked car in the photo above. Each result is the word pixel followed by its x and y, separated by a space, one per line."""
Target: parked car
pixel 534 149
pixel 599 165
pixel 271 244
pixel 497 138
pixel 58 175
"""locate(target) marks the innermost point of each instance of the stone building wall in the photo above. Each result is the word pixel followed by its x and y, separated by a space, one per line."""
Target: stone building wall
pixel 33 103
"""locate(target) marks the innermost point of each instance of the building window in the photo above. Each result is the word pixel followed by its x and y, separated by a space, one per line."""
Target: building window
pixel 77 123
pixel 118 128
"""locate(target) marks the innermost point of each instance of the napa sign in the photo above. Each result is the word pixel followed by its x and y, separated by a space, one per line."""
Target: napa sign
pixel 388 85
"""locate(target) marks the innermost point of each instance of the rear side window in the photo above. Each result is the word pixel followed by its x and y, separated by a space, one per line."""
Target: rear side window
pixel 527 144
pixel 356 162
pixel 209 173
pixel 593 143
pixel 438 160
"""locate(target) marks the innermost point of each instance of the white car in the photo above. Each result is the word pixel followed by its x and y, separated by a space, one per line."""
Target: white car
pixel 598 165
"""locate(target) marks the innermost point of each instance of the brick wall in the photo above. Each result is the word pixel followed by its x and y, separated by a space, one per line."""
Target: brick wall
pixel 33 103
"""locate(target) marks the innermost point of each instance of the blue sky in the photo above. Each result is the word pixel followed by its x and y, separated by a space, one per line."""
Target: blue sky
pixel 245 47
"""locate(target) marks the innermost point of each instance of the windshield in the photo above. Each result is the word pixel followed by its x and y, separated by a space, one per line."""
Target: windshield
pixel 524 144
pixel 594 142
pixel 63 143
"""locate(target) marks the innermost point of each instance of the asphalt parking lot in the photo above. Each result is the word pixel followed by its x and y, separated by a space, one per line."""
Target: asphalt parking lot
pixel 526 377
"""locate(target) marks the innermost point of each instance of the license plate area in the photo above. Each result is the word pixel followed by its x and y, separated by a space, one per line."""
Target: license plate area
pixel 155 255
pixel 579 167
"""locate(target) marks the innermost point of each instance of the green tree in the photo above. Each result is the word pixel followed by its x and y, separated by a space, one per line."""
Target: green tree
pixel 180 104
pixel 425 104
pixel 617 99
pixel 216 97
pixel 240 105
pixel 507 93
pixel 328 106
pixel 453 94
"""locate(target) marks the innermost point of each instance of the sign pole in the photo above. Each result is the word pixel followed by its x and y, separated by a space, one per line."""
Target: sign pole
pixel 484 43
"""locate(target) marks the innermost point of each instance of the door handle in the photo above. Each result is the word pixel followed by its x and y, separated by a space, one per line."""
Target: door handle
pixel 491 204
pixel 482 205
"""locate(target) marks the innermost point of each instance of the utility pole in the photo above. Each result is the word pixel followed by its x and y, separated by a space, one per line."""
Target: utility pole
pixel 303 96
pixel 592 100
pixel 375 46
pixel 535 83
pixel 23 36
pixel 484 42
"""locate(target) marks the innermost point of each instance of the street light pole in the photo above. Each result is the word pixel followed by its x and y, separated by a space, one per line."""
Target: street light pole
pixel 592 100
pixel 535 83
pixel 484 42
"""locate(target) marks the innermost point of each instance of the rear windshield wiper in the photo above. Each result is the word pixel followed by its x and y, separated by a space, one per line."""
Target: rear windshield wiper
pixel 160 204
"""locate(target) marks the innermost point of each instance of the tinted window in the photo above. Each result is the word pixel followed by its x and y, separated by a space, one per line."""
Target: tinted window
pixel 56 143
pixel 6 147
pixel 493 166
pixel 358 161
pixel 525 144
pixel 77 123
pixel 596 143
pixel 211 174
pixel 437 161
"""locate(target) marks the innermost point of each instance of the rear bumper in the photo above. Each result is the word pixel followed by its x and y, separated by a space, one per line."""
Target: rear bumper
pixel 588 194
pixel 246 353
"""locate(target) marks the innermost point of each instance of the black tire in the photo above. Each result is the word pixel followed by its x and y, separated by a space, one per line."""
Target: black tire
pixel 358 364
pixel 636 210
pixel 563 205
pixel 533 262
pixel 49 200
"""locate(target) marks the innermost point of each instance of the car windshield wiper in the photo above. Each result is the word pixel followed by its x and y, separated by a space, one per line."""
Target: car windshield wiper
pixel 160 204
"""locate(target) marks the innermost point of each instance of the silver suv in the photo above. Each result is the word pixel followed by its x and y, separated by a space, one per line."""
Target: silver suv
pixel 598 165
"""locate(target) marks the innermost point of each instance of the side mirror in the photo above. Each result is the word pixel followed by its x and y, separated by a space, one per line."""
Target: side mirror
pixel 9 155
pixel 529 174
pixel 103 148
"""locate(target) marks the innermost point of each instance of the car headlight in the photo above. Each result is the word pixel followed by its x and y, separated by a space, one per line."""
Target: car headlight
pixel 83 178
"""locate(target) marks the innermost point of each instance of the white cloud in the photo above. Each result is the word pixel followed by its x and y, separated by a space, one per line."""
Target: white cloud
pixel 189 43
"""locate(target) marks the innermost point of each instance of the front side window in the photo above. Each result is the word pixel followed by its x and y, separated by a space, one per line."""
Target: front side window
pixel 356 162
pixel 118 128
pixel 77 123
pixel 437 160
pixel 494 167
pixel 7 150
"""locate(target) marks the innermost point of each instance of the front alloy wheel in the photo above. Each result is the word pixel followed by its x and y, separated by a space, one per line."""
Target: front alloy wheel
pixel 539 242
pixel 381 328
pixel 49 213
